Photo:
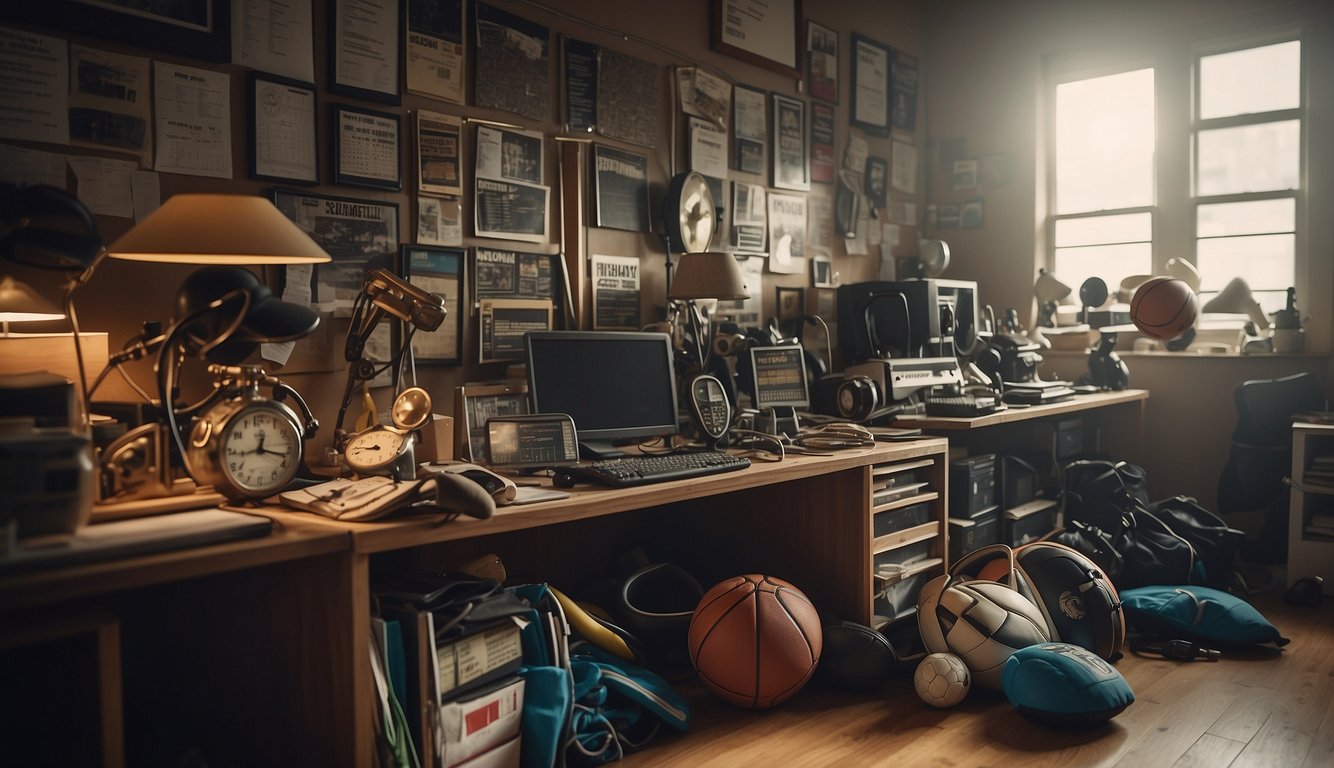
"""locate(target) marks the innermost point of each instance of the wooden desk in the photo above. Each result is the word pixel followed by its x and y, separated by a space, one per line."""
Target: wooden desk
pixel 258 650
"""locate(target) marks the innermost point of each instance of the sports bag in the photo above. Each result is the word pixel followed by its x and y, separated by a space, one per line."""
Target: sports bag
pixel 1215 543
pixel 1077 600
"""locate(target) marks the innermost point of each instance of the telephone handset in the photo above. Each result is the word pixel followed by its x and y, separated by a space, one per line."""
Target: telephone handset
pixel 710 408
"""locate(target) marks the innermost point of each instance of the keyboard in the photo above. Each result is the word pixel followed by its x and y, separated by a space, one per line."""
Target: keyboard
pixel 641 470
pixel 961 406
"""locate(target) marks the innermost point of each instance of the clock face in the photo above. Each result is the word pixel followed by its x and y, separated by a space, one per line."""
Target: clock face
pixel 261 450
pixel 374 449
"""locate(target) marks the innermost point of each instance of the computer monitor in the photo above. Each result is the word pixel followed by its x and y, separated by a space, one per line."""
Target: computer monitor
pixel 619 387
pixel 780 377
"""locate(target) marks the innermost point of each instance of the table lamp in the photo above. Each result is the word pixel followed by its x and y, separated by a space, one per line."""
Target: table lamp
pixel 19 303
pixel 705 275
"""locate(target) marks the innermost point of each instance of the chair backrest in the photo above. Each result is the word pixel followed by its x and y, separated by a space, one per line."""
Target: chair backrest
pixel 1265 408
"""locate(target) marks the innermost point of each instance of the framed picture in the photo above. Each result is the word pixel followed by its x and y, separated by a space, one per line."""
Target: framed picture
pixel 366 148
pixel 875 181
pixel 502 323
pixel 474 404
pixel 751 134
pixel 620 189
pixel 439 149
pixel 791 159
pixel 438 271
pixel 364 48
pixel 789 303
pixel 283 134
pixel 822 271
pixel 870 85
pixel 200 30
pixel 822 62
pixel 764 34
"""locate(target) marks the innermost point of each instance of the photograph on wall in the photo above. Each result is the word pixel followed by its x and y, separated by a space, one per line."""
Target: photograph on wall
pixel 620 189
pixel 615 293
pixel 439 221
pixel 787 234
pixel 283 136
pixel 965 174
pixel 750 117
pixel 876 181
pixel 510 211
pixel 822 270
pixel 947 216
pixel 366 148
pixel 503 322
pixel 971 214
pixel 510 63
pixel 704 95
pixel 109 106
pixel 512 274
pixel 439 151
pixel 509 155
pixel 822 62
pixel 870 85
pixel 791 166
pixel 750 217
pixel 435 64
pixel 364 49
pixel 438 271
pixel 822 143
pixel 903 89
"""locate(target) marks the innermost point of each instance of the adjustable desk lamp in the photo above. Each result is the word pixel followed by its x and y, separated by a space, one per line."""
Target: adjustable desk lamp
pixel 705 275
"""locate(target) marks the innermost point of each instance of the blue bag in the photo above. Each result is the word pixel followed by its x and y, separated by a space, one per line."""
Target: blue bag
pixel 1199 614
pixel 618 707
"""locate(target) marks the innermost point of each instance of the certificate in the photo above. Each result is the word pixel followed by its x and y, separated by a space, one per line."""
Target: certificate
pixel 283 138
pixel 364 49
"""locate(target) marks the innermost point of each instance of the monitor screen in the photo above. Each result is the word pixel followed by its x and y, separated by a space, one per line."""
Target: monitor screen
pixel 780 377
pixel 618 387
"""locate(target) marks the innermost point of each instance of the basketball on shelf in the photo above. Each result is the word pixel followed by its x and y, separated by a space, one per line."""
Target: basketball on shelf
pixel 942 680
pixel 755 640
pixel 1164 307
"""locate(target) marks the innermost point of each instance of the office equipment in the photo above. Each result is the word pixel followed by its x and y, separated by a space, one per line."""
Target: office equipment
pixel 531 441
pixel 778 387
pixel 1020 395
pixel 964 405
pixel 383 449
pixel 972 485
pixel 710 408
pixel 586 374
pixel 907 318
pixel 642 470
pixel 1027 522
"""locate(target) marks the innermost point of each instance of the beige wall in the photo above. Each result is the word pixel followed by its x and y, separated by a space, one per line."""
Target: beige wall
pixel 983 75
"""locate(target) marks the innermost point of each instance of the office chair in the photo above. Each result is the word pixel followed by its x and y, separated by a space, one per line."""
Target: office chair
pixel 1261 456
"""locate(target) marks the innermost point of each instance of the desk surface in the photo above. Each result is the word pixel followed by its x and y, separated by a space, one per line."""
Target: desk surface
pixel 1017 413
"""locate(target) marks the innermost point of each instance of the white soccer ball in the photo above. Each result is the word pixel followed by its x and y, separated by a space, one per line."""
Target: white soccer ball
pixel 942 680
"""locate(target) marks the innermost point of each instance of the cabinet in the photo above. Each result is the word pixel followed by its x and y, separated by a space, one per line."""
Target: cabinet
pixel 1311 504
pixel 909 534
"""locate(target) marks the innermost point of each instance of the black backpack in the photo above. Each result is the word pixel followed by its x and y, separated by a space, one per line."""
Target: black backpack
pixel 1215 543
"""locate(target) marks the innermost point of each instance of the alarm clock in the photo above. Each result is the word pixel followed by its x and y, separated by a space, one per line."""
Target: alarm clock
pixel 388 450
pixel 247 446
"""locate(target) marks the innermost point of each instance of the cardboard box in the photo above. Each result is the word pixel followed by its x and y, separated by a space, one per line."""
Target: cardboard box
pixel 437 441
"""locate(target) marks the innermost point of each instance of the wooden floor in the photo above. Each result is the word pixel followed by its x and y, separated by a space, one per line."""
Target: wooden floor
pixel 1256 710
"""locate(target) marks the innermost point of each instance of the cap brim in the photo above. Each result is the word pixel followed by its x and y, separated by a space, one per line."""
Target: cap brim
pixel 272 319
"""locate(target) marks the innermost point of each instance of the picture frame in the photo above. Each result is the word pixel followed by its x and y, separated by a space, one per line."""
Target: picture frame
pixel 870 85
pixel 876 181
pixel 502 323
pixel 439 153
pixel 750 134
pixel 765 35
pixel 822 271
pixel 822 62
pixel 789 302
pixel 196 30
pixel 367 68
pixel 620 189
pixel 791 167
pixel 440 271
pixel 474 404
pixel 283 130
pixel 367 147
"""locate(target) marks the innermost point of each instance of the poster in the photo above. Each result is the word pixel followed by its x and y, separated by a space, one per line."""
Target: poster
pixel 438 153
pixel 512 274
pixel 749 218
pixel 34 87
pixel 620 189
pixel 511 56
pixel 109 106
pixel 194 121
pixel 787 233
pixel 435 62
pixel 615 293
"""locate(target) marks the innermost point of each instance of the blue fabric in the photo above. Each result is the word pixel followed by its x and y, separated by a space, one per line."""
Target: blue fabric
pixel 1061 684
pixel 618 707
pixel 1198 613
pixel 547 702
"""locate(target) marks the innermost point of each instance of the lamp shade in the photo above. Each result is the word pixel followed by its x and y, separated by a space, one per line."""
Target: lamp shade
pixel 1236 298
pixel 218 229
pixel 707 275
pixel 20 303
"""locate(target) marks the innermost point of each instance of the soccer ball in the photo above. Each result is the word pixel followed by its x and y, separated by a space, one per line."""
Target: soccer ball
pixel 942 680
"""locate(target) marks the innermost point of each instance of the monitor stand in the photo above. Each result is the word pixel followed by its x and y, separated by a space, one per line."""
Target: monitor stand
pixel 778 419
pixel 596 450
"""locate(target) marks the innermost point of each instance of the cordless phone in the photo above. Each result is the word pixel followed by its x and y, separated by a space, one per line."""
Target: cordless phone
pixel 710 408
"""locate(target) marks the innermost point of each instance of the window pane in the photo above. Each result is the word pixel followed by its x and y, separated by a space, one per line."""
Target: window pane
pixel 1263 261
pixel 1104 142
pixel 1113 263
pixel 1097 230
pixel 1257 217
pixel 1254 80
pixel 1251 158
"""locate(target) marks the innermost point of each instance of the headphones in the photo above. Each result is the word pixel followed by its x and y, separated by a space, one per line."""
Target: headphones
pixel 858 398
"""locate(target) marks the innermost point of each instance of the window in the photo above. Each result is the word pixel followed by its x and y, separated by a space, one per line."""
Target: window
pixel 1119 198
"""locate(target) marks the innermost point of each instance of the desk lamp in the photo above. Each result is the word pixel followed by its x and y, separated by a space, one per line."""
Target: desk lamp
pixel 1049 292
pixel 705 275
pixel 19 303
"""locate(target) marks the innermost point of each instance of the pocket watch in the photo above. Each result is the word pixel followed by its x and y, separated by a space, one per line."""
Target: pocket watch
pixel 247 446
pixel 388 450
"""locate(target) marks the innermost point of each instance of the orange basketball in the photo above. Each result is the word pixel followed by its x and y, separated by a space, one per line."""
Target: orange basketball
pixel 755 640
pixel 1164 307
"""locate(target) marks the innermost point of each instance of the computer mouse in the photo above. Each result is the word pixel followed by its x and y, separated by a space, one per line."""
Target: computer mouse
pixel 1308 590
pixel 501 489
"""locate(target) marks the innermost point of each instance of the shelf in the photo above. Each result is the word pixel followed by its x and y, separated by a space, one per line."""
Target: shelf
pixel 906 502
pixel 905 537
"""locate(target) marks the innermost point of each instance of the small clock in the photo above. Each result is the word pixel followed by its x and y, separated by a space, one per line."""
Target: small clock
pixel 388 450
pixel 247 446
pixel 689 214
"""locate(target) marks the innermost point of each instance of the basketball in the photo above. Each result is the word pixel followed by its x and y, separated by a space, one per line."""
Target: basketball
pixel 755 640
pixel 1164 307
